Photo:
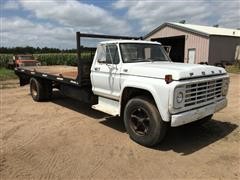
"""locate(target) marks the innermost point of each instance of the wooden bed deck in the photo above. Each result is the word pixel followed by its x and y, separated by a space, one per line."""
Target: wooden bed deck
pixel 70 72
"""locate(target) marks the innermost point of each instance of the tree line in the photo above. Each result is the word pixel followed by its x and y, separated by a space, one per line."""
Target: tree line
pixel 37 50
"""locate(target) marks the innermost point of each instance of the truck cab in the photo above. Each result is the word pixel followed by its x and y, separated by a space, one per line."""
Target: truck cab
pixel 19 60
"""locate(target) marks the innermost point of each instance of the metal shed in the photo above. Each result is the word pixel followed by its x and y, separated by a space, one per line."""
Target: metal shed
pixel 195 44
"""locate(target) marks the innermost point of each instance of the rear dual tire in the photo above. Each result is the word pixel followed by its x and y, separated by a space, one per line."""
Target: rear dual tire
pixel 143 122
pixel 40 90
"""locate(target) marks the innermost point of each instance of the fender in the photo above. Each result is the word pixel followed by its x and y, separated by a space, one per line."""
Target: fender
pixel 156 87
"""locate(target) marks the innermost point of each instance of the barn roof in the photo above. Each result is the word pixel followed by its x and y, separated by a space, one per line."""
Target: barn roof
pixel 198 29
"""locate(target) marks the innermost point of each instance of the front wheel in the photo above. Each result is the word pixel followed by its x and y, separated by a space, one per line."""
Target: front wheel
pixel 143 122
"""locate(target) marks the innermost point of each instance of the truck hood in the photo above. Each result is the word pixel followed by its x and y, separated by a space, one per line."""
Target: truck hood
pixel 177 70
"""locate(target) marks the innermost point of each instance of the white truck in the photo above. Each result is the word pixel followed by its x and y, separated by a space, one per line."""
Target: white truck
pixel 137 81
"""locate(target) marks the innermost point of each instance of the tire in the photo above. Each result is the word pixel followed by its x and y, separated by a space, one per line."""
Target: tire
pixel 40 90
pixel 47 85
pixel 143 122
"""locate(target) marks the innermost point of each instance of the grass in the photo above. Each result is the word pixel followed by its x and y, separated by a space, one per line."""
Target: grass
pixel 233 69
pixel 6 74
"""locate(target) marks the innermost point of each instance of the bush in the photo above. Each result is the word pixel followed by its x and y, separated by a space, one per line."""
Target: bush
pixel 4 58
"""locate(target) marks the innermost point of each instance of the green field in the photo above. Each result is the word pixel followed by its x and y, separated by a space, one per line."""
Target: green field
pixel 52 58
pixel 6 74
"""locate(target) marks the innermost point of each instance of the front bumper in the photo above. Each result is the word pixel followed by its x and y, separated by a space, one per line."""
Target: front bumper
pixel 196 114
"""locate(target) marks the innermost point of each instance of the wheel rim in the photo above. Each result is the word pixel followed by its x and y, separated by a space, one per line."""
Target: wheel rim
pixel 34 89
pixel 140 121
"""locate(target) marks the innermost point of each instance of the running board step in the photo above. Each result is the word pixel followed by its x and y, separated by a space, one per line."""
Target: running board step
pixel 108 106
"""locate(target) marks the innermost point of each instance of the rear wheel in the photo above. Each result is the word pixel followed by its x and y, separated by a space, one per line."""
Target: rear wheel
pixel 143 121
pixel 40 90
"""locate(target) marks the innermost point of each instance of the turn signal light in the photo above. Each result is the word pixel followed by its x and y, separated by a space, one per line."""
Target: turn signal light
pixel 168 78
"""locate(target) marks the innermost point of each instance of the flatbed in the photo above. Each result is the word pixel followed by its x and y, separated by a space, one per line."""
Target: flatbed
pixel 61 77
pixel 60 73
pixel 57 70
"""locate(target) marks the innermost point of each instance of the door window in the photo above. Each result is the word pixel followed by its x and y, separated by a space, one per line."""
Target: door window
pixel 108 54
pixel 101 54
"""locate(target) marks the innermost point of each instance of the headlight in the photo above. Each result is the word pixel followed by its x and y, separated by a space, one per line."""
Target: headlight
pixel 225 84
pixel 179 97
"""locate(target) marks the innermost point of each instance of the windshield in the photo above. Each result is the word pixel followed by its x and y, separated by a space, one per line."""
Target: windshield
pixel 140 52
pixel 25 57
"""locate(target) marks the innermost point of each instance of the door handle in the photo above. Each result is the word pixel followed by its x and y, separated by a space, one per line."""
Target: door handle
pixel 97 68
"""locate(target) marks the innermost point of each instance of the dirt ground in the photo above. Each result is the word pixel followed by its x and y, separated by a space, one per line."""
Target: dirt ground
pixel 64 139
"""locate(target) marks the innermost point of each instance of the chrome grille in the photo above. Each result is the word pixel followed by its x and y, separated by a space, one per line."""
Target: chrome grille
pixel 30 64
pixel 202 92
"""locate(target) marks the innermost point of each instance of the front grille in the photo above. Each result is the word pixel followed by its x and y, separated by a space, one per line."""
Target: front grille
pixel 30 64
pixel 203 92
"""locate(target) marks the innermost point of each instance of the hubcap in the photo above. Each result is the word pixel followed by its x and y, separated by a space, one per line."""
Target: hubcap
pixel 139 121
pixel 34 89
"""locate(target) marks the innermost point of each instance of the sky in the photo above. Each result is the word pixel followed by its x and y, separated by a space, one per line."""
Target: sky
pixel 53 23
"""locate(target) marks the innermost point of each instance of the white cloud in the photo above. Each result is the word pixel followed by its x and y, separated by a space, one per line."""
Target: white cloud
pixel 54 23
pixel 11 5
pixel 150 14
pixel 85 17
pixel 228 13
pixel 17 31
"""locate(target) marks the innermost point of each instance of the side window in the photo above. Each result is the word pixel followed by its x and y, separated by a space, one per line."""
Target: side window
pixel 112 56
pixel 101 54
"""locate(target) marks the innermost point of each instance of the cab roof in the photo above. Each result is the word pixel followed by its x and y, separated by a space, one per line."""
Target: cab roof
pixel 129 41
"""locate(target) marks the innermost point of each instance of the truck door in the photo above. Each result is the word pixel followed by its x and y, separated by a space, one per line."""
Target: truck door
pixel 105 73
